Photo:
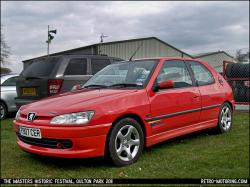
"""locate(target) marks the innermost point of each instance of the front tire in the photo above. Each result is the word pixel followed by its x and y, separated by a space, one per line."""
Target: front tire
pixel 225 118
pixel 3 111
pixel 125 142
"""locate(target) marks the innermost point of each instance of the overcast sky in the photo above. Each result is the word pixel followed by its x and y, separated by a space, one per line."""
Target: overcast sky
pixel 193 27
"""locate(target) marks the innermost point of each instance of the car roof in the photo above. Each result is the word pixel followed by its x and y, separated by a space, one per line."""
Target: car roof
pixel 78 55
pixel 175 58
pixel 205 63
pixel 9 75
pixel 166 58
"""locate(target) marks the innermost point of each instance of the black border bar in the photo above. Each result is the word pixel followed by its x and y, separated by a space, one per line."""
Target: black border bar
pixel 110 181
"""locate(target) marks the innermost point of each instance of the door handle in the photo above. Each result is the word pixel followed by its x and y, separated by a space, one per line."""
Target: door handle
pixel 196 96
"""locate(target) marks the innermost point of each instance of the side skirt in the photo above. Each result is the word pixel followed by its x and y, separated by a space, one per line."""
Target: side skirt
pixel 157 138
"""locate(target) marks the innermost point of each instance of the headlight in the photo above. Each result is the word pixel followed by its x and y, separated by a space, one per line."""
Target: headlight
pixel 73 118
pixel 18 114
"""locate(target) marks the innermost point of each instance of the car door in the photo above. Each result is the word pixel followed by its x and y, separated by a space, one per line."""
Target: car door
pixel 211 95
pixel 175 107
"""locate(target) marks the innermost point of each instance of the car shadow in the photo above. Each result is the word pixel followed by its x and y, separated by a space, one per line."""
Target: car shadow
pixel 70 163
pixel 11 115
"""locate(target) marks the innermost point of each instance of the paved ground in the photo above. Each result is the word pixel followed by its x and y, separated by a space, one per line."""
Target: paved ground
pixel 242 107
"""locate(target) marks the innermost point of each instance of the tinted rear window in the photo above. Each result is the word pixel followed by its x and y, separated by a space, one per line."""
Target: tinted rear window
pixel 41 68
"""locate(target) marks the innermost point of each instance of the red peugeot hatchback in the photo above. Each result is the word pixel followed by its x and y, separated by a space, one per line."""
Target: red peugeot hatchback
pixel 126 107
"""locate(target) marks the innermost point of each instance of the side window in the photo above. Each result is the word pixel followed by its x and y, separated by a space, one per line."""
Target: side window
pixel 10 82
pixel 177 71
pixel 77 66
pixel 98 64
pixel 201 73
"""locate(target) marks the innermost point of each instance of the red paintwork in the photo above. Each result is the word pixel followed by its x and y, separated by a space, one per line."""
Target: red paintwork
pixel 166 84
pixel 111 104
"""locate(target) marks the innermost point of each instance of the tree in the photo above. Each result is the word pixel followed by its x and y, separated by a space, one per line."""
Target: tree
pixel 5 49
pixel 5 70
pixel 242 57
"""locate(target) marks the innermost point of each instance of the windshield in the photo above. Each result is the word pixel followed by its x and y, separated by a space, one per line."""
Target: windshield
pixel 127 74
pixel 40 68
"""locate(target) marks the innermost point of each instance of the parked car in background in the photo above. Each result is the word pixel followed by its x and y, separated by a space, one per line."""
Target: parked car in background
pixel 8 94
pixel 52 75
pixel 126 107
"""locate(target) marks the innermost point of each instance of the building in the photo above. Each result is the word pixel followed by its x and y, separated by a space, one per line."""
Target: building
pixel 216 59
pixel 147 48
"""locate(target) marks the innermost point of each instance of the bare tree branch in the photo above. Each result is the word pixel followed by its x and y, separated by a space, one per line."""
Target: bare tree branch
pixel 5 49
pixel 5 70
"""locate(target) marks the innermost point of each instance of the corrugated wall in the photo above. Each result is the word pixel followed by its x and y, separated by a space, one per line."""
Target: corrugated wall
pixel 216 60
pixel 150 48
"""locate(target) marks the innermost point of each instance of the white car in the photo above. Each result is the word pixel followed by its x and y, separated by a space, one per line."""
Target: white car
pixel 8 94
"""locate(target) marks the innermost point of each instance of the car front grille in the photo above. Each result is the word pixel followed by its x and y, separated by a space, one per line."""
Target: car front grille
pixel 47 142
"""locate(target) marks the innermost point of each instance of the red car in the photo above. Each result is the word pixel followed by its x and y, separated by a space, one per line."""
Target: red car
pixel 126 107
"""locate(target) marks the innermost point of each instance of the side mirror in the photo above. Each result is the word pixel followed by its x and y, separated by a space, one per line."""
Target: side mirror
pixel 163 85
pixel 76 87
pixel 166 84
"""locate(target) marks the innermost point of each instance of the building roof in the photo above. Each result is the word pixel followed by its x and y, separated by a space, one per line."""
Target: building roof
pixel 113 42
pixel 146 38
pixel 210 53
pixel 172 46
pixel 61 52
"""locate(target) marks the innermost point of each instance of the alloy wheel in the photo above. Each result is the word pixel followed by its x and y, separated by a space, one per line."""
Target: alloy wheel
pixel 127 143
pixel 226 118
pixel 2 111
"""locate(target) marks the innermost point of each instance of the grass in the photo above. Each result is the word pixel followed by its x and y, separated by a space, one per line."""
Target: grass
pixel 198 155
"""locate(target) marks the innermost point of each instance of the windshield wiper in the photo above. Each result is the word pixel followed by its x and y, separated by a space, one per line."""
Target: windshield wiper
pixel 125 85
pixel 95 86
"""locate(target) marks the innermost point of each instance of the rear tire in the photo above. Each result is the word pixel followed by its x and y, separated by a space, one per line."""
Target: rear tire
pixel 3 111
pixel 225 119
pixel 237 70
pixel 229 70
pixel 125 142
pixel 246 70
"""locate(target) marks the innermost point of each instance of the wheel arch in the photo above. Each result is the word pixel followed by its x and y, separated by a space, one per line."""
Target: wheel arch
pixel 2 101
pixel 134 116
pixel 230 103
pixel 128 115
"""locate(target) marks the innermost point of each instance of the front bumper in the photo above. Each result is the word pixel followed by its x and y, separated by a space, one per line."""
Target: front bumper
pixel 87 141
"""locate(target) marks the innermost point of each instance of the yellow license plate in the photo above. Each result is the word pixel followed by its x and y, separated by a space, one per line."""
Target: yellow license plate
pixel 29 91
